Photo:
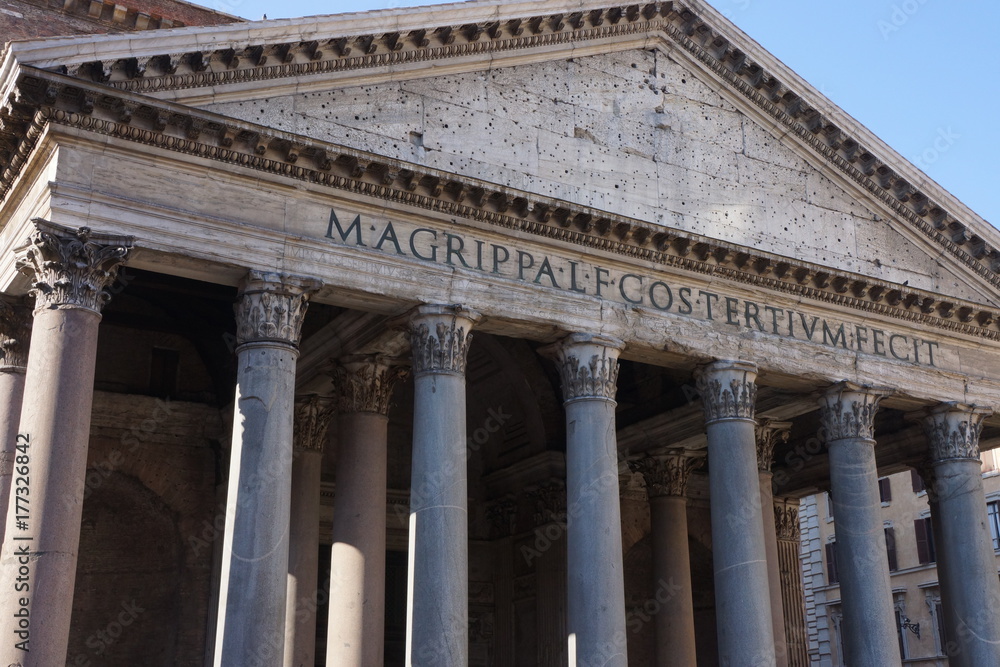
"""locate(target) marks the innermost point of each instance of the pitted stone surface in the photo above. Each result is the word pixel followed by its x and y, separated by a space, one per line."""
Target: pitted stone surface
pixel 632 132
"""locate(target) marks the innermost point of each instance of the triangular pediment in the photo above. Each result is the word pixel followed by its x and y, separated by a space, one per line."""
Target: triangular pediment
pixel 661 112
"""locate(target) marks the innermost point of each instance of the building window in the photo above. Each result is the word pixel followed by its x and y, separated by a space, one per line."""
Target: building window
pixel 884 490
pixel 831 563
pixel 917 481
pixel 993 510
pixel 925 541
pixel 890 547
pixel 829 505
pixel 901 620
pixel 933 598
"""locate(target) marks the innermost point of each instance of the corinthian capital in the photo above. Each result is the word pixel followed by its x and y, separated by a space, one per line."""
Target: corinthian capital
pixel 588 366
pixel 769 433
pixel 440 337
pixel 847 410
pixel 312 419
pixel 15 333
pixel 71 267
pixel 953 431
pixel 365 383
pixel 270 307
pixel 728 390
pixel 786 519
pixel 667 474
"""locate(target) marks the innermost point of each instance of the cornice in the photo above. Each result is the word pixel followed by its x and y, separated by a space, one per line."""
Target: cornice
pixel 42 99
pixel 788 102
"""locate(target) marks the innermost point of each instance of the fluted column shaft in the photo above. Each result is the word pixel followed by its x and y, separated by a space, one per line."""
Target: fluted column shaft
pixel 588 366
pixel 786 521
pixel 312 418
pixel 742 598
pixel 848 414
pixel 965 544
pixel 15 333
pixel 356 630
pixel 251 620
pixel 71 274
pixel 768 434
pixel 666 483
pixel 438 632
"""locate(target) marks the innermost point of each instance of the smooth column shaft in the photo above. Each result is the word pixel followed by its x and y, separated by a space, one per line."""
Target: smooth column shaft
pixel 11 393
pixel 255 553
pixel 675 639
pixel 869 625
pixel 439 523
pixel 303 560
pixel 742 596
pixel 55 418
pixel 596 584
pixel 966 549
pixel 355 635
pixel 773 569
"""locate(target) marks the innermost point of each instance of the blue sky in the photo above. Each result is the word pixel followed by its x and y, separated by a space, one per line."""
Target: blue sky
pixel 921 74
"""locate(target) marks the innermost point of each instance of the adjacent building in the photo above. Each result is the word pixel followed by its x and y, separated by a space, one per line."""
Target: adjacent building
pixel 492 333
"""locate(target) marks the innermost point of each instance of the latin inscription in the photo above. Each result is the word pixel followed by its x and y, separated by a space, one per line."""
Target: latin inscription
pixel 638 289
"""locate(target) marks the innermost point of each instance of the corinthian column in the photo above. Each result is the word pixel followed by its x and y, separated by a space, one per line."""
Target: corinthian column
pixel 768 434
pixel 666 485
pixel 356 630
pixel 964 542
pixel 438 617
pixel 847 411
pixel 786 522
pixel 588 366
pixel 312 419
pixel 70 273
pixel 15 332
pixel 251 621
pixel 742 596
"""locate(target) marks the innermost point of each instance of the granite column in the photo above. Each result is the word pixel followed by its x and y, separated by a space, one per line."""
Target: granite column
pixel 666 485
pixel 250 630
pixel 742 598
pixel 356 630
pixel 71 272
pixel 869 626
pixel 312 419
pixel 15 333
pixel 588 366
pixel 768 434
pixel 965 542
pixel 438 614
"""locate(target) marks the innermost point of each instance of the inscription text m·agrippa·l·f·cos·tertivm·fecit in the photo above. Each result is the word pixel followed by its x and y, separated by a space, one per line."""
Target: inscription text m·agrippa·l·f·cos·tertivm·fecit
pixel 643 289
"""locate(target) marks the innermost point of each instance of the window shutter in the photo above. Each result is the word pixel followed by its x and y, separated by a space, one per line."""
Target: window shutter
pixel 917 481
pixel 831 563
pixel 890 547
pixel 923 551
pixel 884 490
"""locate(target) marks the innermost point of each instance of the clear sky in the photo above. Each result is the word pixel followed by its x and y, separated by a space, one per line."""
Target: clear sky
pixel 921 74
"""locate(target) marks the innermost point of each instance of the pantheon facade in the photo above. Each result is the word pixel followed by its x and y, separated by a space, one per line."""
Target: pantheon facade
pixel 477 334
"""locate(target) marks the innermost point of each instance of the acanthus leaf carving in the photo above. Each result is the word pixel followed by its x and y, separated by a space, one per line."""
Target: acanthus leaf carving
pixel 588 366
pixel 770 433
pixel 271 307
pixel 953 431
pixel 365 383
pixel 312 420
pixel 71 267
pixel 786 520
pixel 728 390
pixel 667 474
pixel 15 332
pixel 847 411
pixel 440 337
